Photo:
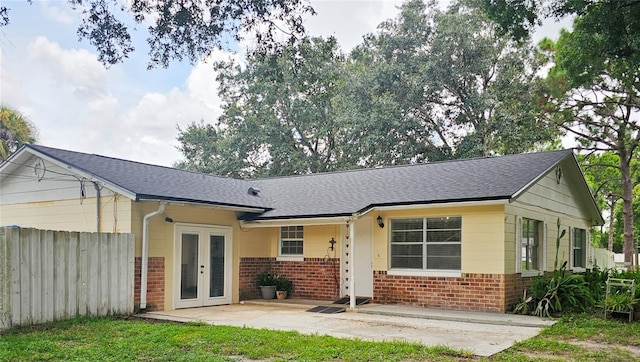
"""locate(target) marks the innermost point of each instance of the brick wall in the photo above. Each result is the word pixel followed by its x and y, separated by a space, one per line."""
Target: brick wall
pixel 155 283
pixel 515 286
pixel 313 278
pixel 470 292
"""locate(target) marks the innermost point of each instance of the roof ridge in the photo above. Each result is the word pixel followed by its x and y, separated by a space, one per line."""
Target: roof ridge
pixel 365 169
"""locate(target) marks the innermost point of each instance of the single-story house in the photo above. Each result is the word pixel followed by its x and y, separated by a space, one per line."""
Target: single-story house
pixel 462 235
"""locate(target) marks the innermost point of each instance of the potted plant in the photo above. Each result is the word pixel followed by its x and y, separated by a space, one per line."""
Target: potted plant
pixel 267 283
pixel 284 287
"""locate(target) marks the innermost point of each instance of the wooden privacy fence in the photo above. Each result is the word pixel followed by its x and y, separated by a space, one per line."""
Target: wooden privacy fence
pixel 51 275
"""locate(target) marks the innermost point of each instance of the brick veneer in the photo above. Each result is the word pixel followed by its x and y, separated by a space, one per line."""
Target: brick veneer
pixel 155 283
pixel 313 278
pixel 472 292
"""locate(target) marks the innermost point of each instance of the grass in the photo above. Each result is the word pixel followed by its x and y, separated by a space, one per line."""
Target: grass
pixel 114 339
pixel 579 338
pixel 573 338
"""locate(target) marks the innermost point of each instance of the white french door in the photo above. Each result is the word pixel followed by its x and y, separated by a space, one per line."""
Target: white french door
pixel 202 265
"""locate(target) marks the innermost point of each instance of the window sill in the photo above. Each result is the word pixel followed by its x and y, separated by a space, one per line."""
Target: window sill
pixel 578 269
pixel 425 273
pixel 530 273
pixel 290 258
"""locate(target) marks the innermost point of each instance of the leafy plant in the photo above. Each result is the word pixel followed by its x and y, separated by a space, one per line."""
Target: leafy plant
pixel 620 302
pixel 564 292
pixel 559 292
pixel 284 284
pixel 266 279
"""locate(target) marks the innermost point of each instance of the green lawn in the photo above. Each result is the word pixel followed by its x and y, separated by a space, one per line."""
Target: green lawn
pixel 578 338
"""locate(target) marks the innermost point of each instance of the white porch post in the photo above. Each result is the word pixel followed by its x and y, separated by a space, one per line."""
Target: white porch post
pixel 352 262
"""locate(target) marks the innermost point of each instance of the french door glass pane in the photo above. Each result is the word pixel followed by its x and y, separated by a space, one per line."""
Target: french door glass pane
pixel 189 267
pixel 216 266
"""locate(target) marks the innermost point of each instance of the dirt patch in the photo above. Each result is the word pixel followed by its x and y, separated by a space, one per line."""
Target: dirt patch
pixel 604 347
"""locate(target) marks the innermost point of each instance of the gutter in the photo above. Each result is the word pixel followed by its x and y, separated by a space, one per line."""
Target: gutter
pixel 145 255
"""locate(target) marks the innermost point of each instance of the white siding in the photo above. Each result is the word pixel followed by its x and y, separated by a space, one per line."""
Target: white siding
pixel 547 200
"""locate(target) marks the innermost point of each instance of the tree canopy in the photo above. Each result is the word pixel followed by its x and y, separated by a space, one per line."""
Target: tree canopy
pixel 180 30
pixel 594 94
pixel 15 130
pixel 429 85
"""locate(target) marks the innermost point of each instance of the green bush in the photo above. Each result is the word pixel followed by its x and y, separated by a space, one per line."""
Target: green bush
pixel 563 293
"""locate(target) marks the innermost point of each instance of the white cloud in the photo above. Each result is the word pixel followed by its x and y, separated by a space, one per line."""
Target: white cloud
pixel 58 11
pixel 78 69
pixel 348 21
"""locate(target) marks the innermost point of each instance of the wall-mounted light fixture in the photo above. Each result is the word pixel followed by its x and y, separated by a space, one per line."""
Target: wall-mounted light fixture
pixel 380 223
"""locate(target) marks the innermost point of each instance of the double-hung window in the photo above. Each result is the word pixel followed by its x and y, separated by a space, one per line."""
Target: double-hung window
pixel 579 248
pixel 291 241
pixel 530 243
pixel 426 243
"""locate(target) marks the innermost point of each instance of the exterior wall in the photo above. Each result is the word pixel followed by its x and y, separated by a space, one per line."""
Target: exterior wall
pixel 482 236
pixel 162 243
pixel 313 278
pixel 71 214
pixel 470 292
pixel 53 201
pixel 155 283
pixel 547 200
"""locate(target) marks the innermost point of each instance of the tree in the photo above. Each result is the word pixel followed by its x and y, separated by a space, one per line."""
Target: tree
pixel 602 173
pixel 183 29
pixel 279 115
pixel 15 130
pixel 427 86
pixel 459 89
pixel 598 101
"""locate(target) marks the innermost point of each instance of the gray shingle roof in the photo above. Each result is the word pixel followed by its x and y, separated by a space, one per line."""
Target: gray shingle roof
pixel 158 182
pixel 343 193
pixel 325 194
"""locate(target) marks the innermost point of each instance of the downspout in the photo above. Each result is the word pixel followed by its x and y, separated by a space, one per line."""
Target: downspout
pixel 95 185
pixel 145 255
pixel 352 262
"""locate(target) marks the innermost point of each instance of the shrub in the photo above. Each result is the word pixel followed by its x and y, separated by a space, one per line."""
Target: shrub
pixel 266 279
pixel 284 284
pixel 563 293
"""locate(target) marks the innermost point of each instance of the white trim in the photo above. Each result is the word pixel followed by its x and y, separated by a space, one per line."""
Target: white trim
pixel 290 258
pixel 545 241
pixel 205 205
pixel 339 220
pixel 531 273
pixel 425 273
pixel 294 222
pixel 518 243
pixel 571 233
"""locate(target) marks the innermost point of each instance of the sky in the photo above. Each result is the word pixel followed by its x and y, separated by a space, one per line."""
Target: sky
pixel 127 111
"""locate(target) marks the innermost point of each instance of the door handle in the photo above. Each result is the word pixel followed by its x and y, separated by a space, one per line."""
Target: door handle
pixel 202 266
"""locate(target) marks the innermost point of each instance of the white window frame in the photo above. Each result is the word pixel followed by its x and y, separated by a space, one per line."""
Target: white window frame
pixel 298 238
pixel 424 271
pixel 585 250
pixel 540 248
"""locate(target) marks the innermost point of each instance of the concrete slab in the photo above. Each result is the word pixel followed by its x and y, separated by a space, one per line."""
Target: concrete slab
pixel 482 339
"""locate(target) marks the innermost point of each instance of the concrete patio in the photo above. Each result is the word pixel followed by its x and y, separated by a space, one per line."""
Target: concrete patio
pixel 483 334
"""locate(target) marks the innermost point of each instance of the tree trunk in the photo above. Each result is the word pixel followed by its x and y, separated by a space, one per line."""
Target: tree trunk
pixel 627 205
